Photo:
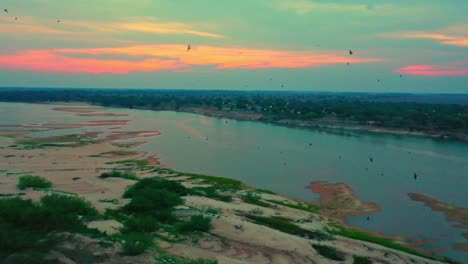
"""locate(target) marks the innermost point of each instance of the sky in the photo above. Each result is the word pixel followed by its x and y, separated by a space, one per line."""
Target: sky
pixel 418 46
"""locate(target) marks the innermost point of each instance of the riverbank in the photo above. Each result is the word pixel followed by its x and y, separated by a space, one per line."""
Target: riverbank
pixel 251 226
pixel 331 125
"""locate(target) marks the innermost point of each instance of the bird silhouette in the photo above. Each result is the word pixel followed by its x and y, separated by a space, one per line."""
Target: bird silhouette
pixel 371 159
pixel 415 175
pixel 350 52
pixel 16 18
pixel 58 21
pixel 5 10
pixel 188 47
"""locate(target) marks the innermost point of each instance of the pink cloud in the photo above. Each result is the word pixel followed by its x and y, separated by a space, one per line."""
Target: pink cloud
pixel 169 57
pixel 453 36
pixel 458 69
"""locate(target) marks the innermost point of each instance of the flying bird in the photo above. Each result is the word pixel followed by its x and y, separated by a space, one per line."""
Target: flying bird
pixel 415 175
pixel 6 10
pixel 350 52
pixel 58 21
pixel 188 47
pixel 371 159
pixel 16 18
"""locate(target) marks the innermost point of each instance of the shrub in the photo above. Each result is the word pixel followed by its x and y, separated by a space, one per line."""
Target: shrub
pixel 156 184
pixel 136 243
pixel 118 174
pixel 148 201
pixel 196 223
pixel 68 205
pixel 361 260
pixel 329 252
pixel 141 223
pixel 29 181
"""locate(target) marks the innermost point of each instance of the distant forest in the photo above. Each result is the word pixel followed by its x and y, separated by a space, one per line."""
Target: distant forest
pixel 448 113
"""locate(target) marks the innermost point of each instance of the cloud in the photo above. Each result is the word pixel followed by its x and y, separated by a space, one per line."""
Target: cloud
pixel 169 57
pixel 452 36
pixel 305 6
pixel 37 26
pixel 456 69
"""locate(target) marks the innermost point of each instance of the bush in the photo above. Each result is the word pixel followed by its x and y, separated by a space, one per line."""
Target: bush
pixel 28 228
pixel 136 243
pixel 148 201
pixel 329 252
pixel 141 224
pixel 73 205
pixel 29 181
pixel 196 223
pixel 117 174
pixel 156 184
pixel 361 260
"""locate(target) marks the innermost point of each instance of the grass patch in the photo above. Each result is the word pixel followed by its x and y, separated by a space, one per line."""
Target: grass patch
pixel 60 141
pixel 211 192
pixel 140 163
pixel 29 181
pixel 197 223
pixel 255 199
pixel 217 181
pixel 264 191
pixel 118 174
pixel 136 243
pixel 314 209
pixel 115 153
pixel 361 260
pixel 111 201
pixel 360 235
pixel 329 252
pixel 285 225
pixel 166 259
pixel 9 156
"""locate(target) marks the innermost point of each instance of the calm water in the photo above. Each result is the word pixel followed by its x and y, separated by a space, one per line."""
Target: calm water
pixel 281 159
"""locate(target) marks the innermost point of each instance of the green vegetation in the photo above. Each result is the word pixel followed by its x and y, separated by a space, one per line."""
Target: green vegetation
pixel 360 235
pixel 361 260
pixel 141 223
pixel 157 203
pixel 29 181
pixel 60 141
pixel 253 198
pixel 329 252
pixel 136 243
pixel 197 223
pixel 9 156
pixel 156 183
pixel 211 192
pixel 27 229
pixel 285 225
pixel 141 163
pixel 314 209
pixel 264 191
pixel 166 259
pixel 119 174
pixel 217 181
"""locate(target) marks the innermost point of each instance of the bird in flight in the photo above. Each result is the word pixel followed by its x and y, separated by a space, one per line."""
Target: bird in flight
pixel 350 52
pixel 6 10
pixel 58 21
pixel 188 47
